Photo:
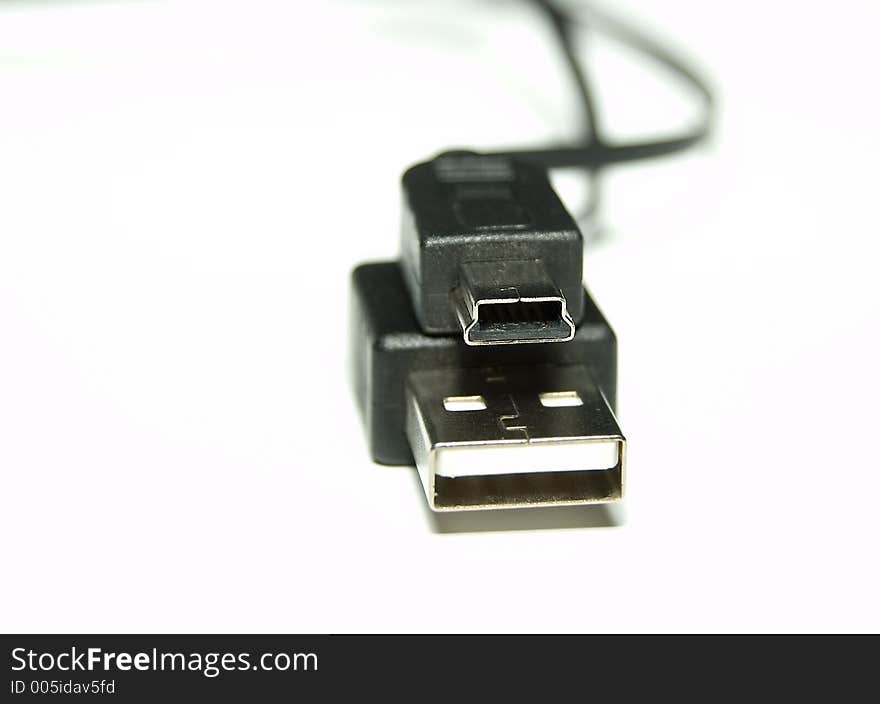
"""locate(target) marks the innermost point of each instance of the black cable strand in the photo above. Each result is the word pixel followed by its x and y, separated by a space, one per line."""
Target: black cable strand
pixel 593 153
pixel 564 28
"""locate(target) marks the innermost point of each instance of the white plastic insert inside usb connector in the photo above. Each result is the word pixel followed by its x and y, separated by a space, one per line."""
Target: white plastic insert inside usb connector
pixel 526 458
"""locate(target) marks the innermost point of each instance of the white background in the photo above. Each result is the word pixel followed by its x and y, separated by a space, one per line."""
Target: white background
pixel 184 188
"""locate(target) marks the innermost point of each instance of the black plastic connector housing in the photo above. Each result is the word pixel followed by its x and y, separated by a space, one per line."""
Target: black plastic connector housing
pixel 387 345
pixel 479 357
pixel 488 249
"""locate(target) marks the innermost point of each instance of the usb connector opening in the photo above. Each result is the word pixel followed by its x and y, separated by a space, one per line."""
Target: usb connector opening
pixel 524 490
pixel 519 321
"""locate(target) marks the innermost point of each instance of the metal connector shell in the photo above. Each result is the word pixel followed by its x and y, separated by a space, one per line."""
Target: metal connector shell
pixel 513 437
pixel 510 302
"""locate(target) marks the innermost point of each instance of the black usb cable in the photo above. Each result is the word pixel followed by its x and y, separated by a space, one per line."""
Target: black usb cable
pixel 479 356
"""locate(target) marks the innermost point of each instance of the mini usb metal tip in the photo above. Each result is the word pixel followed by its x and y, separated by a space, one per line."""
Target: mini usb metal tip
pixel 510 302
pixel 513 437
